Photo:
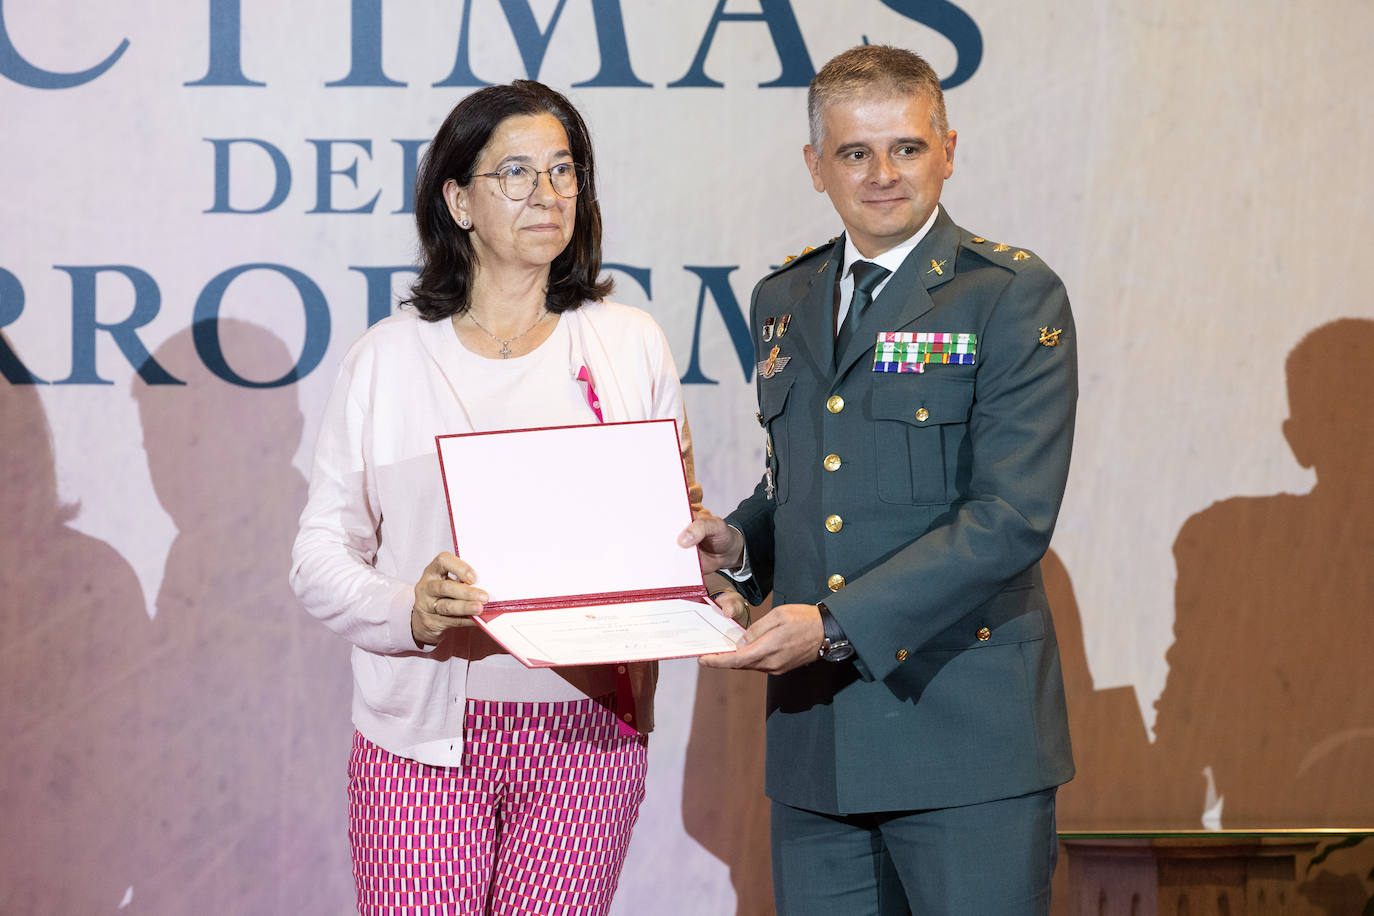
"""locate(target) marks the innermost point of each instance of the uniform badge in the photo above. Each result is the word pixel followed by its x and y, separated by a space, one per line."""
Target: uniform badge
pixel 782 325
pixel 912 351
pixel 1050 338
pixel 767 329
pixel 773 364
pixel 936 267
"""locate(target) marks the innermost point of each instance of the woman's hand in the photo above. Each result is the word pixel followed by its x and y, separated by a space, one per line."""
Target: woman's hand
pixel 732 603
pixel 445 598
pixel 720 546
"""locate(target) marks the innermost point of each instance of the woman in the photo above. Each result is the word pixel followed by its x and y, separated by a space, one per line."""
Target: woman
pixel 477 785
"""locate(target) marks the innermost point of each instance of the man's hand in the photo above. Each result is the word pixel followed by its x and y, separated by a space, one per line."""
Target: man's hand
pixel 788 637
pixel 445 598
pixel 720 546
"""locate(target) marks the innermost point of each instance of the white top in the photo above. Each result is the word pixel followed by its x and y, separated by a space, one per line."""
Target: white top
pixel 376 514
pixel 522 392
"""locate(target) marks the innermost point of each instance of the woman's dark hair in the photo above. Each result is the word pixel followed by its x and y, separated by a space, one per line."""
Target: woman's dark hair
pixel 444 286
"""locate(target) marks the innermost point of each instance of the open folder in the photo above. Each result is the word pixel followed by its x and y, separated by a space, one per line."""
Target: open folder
pixel 573 533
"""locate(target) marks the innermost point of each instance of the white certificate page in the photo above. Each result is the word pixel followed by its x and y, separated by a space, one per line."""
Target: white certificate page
pixel 602 634
pixel 588 515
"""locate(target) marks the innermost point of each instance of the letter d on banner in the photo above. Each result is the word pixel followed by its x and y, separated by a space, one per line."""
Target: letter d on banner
pixel 280 167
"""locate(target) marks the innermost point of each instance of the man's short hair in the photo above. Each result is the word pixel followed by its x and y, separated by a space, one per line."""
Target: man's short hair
pixel 874 68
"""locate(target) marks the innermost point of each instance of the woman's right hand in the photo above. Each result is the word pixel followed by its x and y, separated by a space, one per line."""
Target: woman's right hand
pixel 445 598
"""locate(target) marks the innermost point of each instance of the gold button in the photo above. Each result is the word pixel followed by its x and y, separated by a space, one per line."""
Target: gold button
pixel 836 582
pixel 922 414
pixel 835 404
pixel 984 634
pixel 758 416
pixel 901 655
pixel 834 523
pixel 833 462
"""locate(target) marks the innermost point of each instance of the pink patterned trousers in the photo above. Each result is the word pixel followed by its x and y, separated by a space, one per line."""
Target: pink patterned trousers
pixel 536 820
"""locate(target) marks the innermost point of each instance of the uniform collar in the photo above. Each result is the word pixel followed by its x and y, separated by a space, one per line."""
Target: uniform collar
pixel 893 257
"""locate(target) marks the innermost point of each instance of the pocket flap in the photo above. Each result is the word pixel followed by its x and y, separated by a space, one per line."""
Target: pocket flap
pixel 1011 616
pixel 773 397
pixel 923 401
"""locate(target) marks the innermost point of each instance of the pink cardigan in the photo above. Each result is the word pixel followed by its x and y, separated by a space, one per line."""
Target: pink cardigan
pixel 376 513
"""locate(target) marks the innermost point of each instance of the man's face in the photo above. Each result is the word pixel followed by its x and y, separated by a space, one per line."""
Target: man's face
pixel 883 166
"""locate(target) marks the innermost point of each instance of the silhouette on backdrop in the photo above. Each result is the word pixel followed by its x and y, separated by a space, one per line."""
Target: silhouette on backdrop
pixel 1269 675
pixel 72 616
pixel 244 700
pixel 1112 787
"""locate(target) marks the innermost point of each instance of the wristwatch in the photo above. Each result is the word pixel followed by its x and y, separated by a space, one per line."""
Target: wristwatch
pixel 834 647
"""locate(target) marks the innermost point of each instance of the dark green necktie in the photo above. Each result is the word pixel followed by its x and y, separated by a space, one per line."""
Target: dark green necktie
pixel 867 276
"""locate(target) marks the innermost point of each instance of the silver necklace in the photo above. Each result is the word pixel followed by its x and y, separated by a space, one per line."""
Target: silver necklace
pixel 505 342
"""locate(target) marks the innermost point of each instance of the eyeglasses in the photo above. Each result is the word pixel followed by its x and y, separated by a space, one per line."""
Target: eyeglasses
pixel 519 181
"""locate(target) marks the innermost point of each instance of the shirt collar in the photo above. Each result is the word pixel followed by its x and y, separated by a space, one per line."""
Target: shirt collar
pixel 893 257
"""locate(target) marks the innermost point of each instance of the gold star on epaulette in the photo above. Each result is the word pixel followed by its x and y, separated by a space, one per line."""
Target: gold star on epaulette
pixel 977 240
pixel 1020 256
pixel 792 257
pixel 1001 246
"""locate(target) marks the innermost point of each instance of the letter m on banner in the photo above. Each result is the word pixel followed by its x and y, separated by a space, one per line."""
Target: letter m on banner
pixel 533 43
pixel 715 283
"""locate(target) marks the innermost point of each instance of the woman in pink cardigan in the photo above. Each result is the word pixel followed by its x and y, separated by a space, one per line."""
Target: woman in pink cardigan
pixel 477 785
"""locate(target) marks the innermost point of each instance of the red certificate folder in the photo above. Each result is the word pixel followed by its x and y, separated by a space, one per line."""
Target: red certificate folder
pixel 573 533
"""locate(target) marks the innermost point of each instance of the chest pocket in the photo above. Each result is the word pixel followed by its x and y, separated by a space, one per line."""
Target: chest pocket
pixel 773 413
pixel 921 428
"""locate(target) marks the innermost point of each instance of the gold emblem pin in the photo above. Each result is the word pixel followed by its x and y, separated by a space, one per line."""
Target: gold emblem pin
pixel 1050 338
pixel 790 257
pixel 1001 246
pixel 768 329
pixel 782 325
pixel 1020 256
pixel 935 267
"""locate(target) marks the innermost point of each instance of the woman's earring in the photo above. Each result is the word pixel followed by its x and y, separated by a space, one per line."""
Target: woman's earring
pixel 465 223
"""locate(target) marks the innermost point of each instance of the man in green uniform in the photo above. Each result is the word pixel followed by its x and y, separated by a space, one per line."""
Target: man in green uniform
pixel 916 385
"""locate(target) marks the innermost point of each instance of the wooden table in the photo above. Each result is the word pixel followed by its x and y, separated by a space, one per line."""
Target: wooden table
pixel 1188 873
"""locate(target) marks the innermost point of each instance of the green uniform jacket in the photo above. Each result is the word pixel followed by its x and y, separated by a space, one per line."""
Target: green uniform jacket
pixel 944 486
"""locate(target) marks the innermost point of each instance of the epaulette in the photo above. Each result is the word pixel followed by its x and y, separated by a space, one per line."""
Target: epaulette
pixel 792 260
pixel 1000 252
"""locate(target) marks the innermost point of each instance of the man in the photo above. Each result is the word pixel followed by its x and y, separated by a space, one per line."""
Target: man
pixel 916 724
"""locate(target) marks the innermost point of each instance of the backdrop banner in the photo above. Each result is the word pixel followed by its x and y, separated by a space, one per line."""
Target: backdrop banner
pixel 206 202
